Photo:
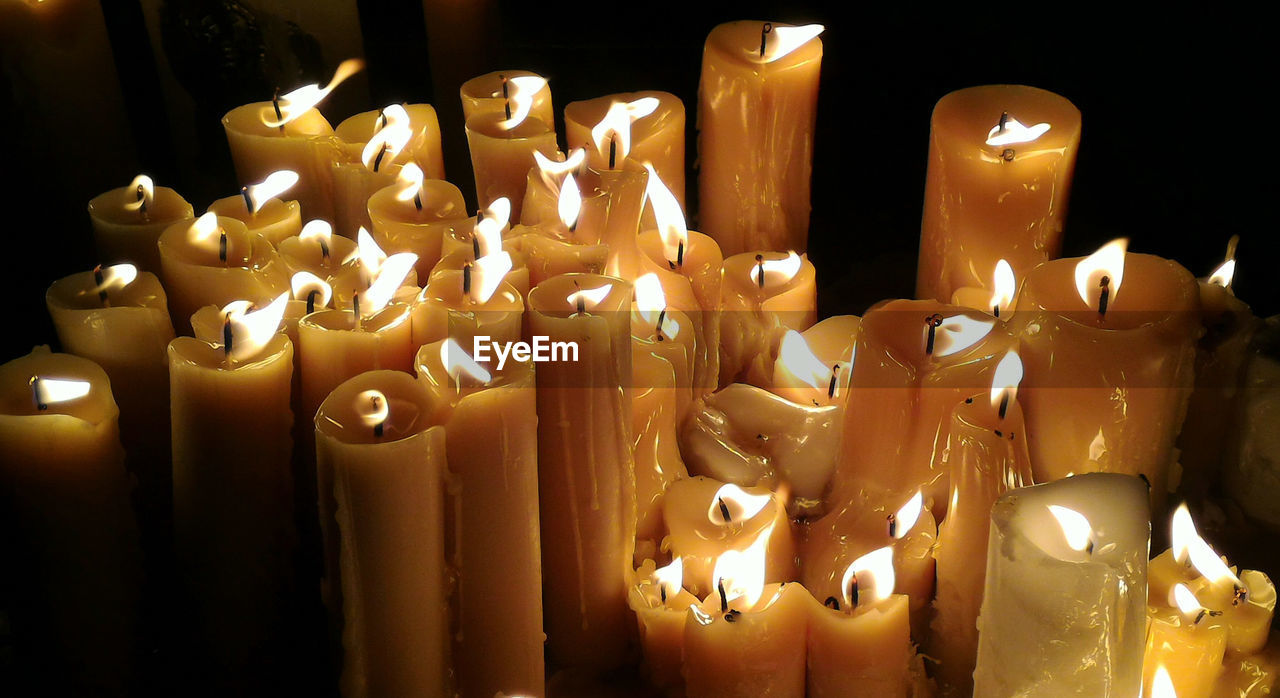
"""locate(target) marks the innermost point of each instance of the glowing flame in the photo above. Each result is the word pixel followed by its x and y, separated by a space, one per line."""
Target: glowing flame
pixel 275 184
pixel 651 302
pixel 776 271
pixel 410 181
pixel 798 359
pixel 905 519
pixel 372 407
pixel 732 504
pixel 297 103
pixel 569 205
pixel 204 228
pixel 782 40
pixel 589 298
pixel 387 143
pixel 487 274
pixel 458 363
pixel 670 219
pixel 53 390
pixel 1010 131
pixel 370 255
pixel 1162 684
pixel 1075 527
pixel 116 276
pixel 390 277
pixel 1223 275
pixel 318 230
pixel 742 572
pixel 139 194
pixel 1107 263
pixel 1005 285
pixel 250 331
pixel 1187 545
pixel 873 577
pixel 520 93
pixel 1008 375
pixel 1182 598
pixel 617 123
pixel 552 170
pixel 959 332
pixel 304 283
pixel 671 577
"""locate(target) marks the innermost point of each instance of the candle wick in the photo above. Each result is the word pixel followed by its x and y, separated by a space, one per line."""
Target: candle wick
pixel 893 525
pixel 853 592
pixel 1088 550
pixel 1104 296
pixel 311 300
pixel 832 603
pixel 1004 404
pixel 613 149
pixel 995 310
pixel 377 161
pixel 222 246
pixel 506 96
pixel 142 202
pixel 248 200
pixel 355 308
pixel 835 376
pixel 934 322
pixel 275 103
pixel 724 598
pixel 579 301
pixel 324 249
pixel 228 337
pixel 417 199
pixel 466 279
pixel 662 591
pixel 1004 120
pixel 382 118
pixel 475 245
pixel 100 279
pixel 760 270
pixel 662 316
pixel 764 36
pixel 724 510
pixel 35 394
pixel 1240 595
pixel 377 406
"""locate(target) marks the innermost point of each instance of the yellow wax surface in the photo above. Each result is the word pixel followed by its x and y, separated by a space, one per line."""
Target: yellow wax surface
pixel 752 316
pixel 400 226
pixel 442 310
pixel 423 147
pixel 275 219
pixel 661 627
pixel 1191 652
pixel 760 652
pixel 502 158
pixel 693 286
pixel 549 254
pixel 657 139
pixel 518 277
pixel 124 235
pixel 483 95
pixel 305 145
pixel 865 652
pixel 308 255
pixel 654 407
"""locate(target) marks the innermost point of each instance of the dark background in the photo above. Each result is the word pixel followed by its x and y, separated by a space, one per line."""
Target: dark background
pixel 1174 117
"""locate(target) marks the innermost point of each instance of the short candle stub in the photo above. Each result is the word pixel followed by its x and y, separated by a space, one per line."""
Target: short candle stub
pixel 934 322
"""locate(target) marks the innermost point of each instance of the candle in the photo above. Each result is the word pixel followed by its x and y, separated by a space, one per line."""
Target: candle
pixel 1108 342
pixel 662 331
pixel 398 274
pixel 585 469
pixel 491 424
pixel 232 488
pixel 645 127
pixel 468 304
pixel 387 462
pixel 128 221
pixel 661 605
pixel 813 366
pixel 549 253
pixel 118 318
pixel 422 147
pixel 1000 164
pixel 315 250
pixel 471 239
pixel 214 261
pixel 489 94
pixel 1184 641
pixel 1063 608
pixel 375 167
pixel 757 103
pixel 289 132
pixel 763 295
pixel 984 449
pixel 502 142
pixel 259 207
pixel 414 214
pixel 66 493
pixel 860 642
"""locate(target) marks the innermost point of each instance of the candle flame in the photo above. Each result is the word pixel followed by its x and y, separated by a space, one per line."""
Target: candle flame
pixel 670 219
pixel 742 572
pixel 905 519
pixel 777 272
pixel 488 230
pixel 551 171
pixel 368 252
pixel 651 304
pixel 1012 132
pixel 1182 598
pixel 116 276
pixel 251 331
pixel 304 283
pixel 734 505
pixel 372 407
pixel 204 228
pixel 1075 527
pixel 1008 375
pixel 133 202
pixel 1162 684
pixel 959 332
pixel 410 180
pixel 458 363
pixel 874 576
pixel 275 184
pixel 389 140
pixel 1005 285
pixel 569 203
pixel 617 124
pixel 784 39
pixel 296 103
pixel 388 279
pixel 1223 275
pixel 1107 262
pixel 589 297
pixel 319 230
pixel 487 274
pixel 520 94
pixel 1188 546
pixel 49 391
pixel 671 577
pixel 798 359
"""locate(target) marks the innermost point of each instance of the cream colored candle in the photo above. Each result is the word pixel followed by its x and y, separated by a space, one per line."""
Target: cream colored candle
pixel 118 318
pixel 1107 391
pixel 984 449
pixel 316 250
pixel 748 649
pixel 585 468
pixel 860 642
pixel 376 166
pixel 489 94
pixel 503 142
pixel 474 302
pixel 661 606
pixel 232 485
pixel 387 460
pixel 289 132
pixel 64 486
pixel 214 261
pixel 128 221
pixel 763 295
pixel 261 210
pixel 1001 159
pixel 414 214
pixel 644 127
pixel 422 148
pixel 1063 611
pixel 996 299
pixel 550 252
pixel 757 103
pixel 492 437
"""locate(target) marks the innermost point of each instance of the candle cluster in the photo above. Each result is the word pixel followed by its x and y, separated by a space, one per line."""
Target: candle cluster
pixel 569 433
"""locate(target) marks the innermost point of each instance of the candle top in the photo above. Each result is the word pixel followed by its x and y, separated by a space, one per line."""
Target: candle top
pixel 247 119
pixel 974 115
pixel 1155 290
pixel 495 125
pixel 441 201
pixel 667 111
pixel 777 45
pixel 446 287
pixel 45 383
pixel 375 407
pixel 484 94
pixel 268 212
pixel 1095 518
pixel 123 285
pixel 116 206
pixel 568 295
pixel 356 131
pixel 344 320
pixel 308 250
pixel 199 242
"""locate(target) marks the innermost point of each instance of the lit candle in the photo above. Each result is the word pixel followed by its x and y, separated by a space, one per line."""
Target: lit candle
pixel 232 484
pixel 422 148
pixel 128 221
pixel 485 235
pixel 1183 639
pixel 1000 164
pixel 316 250
pixel 387 460
pixel 661 605
pixel 261 210
pixel 414 214
pixel 763 295
pixel 585 468
pixel 503 142
pixel 645 127
pixel 376 167
pixel 67 495
pixel 473 302
pixel 1065 598
pixel 490 419
pixel 358 275
pixel 757 103
pixel 489 94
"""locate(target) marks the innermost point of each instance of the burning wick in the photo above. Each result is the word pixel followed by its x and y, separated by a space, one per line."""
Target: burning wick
pixel 679 257
pixel 377 162
pixel 724 510
pixel 228 337
pixel 764 36
pixel 102 286
pixel 382 119
pixel 579 300
pixel 324 250
pixel 724 599
pixel 311 300
pixel 248 200
pixel 35 394
pixel 506 96
pixel 355 307
pixel 475 246
pixel 1004 404
pixel 417 199
pixel 657 329
pixel 377 406
pixel 613 149
pixel 1008 153
pixel 760 263
pixel 222 246
pixel 1104 296
pixel 934 322
pixel 835 375
pixel 466 279
pixel 275 104
pixel 853 591
pixel 142 200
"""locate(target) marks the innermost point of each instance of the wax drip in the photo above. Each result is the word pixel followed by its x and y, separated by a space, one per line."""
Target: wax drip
pixel 613 150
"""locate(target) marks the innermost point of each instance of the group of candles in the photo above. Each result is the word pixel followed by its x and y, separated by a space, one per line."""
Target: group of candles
pixel 762 503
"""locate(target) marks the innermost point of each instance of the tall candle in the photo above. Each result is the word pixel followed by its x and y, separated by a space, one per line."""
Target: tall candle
pixel 763 295
pixel 1000 164
pixel 374 167
pixel 646 127
pixel 261 210
pixel 757 103
pixel 422 148
pixel 503 142
pixel 128 221
pixel 489 93
pixel 414 214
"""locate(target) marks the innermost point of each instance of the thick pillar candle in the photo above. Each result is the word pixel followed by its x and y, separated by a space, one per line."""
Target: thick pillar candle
pixel 414 214
pixel 489 93
pixel 422 148
pixel 503 142
pixel 656 138
pixel 128 221
pixel 261 210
